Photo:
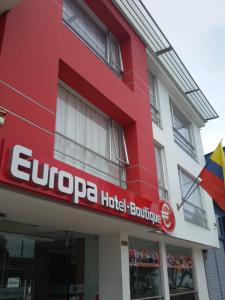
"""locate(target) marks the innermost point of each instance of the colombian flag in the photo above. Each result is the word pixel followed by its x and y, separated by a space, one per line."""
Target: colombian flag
pixel 213 176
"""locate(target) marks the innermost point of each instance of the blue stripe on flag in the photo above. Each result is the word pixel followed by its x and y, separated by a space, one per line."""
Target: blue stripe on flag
pixel 215 168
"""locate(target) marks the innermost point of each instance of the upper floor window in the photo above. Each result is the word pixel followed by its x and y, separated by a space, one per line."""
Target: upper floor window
pixel 78 16
pixel 88 139
pixel 193 208
pixel 163 194
pixel 182 131
pixel 153 98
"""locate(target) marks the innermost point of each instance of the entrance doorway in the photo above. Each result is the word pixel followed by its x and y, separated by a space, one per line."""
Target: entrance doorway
pixel 54 265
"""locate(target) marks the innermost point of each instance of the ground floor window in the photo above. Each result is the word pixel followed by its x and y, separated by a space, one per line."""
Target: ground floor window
pixel 180 273
pixel 48 265
pixel 144 260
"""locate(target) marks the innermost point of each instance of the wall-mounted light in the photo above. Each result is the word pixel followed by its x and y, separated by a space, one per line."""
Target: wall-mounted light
pixel 3 113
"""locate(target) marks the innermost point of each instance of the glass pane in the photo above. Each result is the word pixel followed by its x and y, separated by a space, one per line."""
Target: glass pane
pixel 181 125
pixel 188 186
pixel 193 208
pixel 180 270
pixel 152 89
pixel 85 26
pixel 115 55
pixel 84 136
pixel 51 265
pixel 144 269
pixel 16 266
pixel 159 166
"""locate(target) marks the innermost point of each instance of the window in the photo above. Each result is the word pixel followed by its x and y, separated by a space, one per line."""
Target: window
pixel 153 98
pixel 193 208
pixel 90 30
pixel 180 273
pixel 182 132
pixel 163 194
pixel 144 261
pixel 88 139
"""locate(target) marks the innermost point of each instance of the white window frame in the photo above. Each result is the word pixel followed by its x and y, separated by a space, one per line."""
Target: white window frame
pixel 108 60
pixel 187 145
pixel 155 110
pixel 162 189
pixel 122 162
pixel 199 219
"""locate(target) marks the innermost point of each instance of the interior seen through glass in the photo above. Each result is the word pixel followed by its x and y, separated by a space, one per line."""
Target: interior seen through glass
pixel 50 265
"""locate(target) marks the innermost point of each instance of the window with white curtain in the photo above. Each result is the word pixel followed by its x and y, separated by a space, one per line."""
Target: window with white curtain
pixel 182 131
pixel 191 193
pixel 78 16
pixel 163 194
pixel 88 139
pixel 153 98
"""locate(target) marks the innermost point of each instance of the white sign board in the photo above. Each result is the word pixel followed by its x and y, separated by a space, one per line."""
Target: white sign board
pixel 13 282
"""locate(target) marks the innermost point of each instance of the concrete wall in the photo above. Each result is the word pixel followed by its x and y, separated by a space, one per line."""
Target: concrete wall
pixel 175 156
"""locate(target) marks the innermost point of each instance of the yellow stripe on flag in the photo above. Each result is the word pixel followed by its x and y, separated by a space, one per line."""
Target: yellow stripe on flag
pixel 216 155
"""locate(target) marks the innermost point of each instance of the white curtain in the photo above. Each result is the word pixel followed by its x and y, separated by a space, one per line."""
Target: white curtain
pixel 83 138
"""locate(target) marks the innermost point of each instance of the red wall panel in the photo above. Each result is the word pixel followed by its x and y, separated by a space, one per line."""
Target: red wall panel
pixel 38 49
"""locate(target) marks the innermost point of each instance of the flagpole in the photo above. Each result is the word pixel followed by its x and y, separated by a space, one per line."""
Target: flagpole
pixel 187 194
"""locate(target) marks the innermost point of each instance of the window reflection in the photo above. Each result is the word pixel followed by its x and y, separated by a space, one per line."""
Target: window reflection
pixel 144 269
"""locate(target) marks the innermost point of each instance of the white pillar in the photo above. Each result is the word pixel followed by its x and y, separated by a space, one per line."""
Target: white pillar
pixel 164 273
pixel 114 282
pixel 200 276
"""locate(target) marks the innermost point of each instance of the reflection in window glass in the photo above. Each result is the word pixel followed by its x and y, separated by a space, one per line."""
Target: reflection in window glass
pixel 182 132
pixel 144 269
pixel 89 28
pixel 160 173
pixel 180 273
pixel 153 98
pixel 193 207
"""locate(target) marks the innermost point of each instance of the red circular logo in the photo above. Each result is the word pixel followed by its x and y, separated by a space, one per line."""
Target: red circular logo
pixel 167 216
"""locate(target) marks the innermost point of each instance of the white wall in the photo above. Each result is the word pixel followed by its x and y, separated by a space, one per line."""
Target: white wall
pixel 114 267
pixel 200 278
pixel 175 156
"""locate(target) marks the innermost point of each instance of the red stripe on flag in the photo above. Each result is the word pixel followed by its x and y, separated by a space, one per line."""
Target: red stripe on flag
pixel 214 186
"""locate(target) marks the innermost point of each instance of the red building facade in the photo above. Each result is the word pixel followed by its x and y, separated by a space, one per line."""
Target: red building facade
pixel 38 50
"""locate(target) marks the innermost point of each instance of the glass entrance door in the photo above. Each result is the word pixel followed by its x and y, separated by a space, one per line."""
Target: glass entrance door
pixel 48 266
pixel 16 267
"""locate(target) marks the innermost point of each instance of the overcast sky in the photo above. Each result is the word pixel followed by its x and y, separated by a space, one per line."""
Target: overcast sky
pixel 196 29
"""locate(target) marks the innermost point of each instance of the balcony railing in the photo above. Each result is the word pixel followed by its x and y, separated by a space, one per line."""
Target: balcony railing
pixel 183 143
pixel 195 214
pixel 155 115
pixel 69 151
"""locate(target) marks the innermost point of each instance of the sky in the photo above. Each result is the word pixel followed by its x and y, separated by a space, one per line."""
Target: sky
pixel 196 30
